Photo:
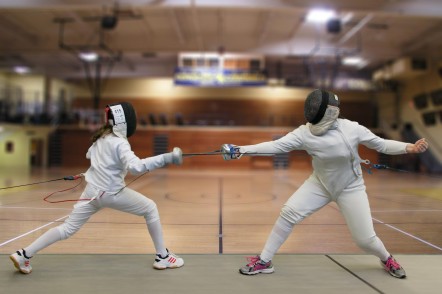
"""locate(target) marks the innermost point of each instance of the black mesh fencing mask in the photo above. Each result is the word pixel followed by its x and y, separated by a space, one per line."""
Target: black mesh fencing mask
pixel 316 103
pixel 123 117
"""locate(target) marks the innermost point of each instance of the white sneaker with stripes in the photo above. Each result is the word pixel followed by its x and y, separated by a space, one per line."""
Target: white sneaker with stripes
pixel 170 261
pixel 21 262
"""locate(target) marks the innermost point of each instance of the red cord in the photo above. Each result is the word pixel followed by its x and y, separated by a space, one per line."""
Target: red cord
pixel 80 176
pixel 67 200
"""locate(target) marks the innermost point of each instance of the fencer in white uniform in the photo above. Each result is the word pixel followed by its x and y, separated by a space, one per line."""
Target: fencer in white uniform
pixel 111 158
pixel 332 143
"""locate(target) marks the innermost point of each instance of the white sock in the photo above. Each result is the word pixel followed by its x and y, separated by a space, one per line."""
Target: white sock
pixel 156 233
pixel 375 246
pixel 48 238
pixel 280 232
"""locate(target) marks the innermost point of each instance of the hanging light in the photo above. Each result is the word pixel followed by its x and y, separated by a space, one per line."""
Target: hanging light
pixel 88 56
pixel 320 15
pixel 355 61
pixel 22 69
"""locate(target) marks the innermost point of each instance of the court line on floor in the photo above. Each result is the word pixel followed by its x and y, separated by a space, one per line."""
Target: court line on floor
pixel 35 208
pixel 408 234
pixel 34 230
pixel 220 225
pixel 353 274
pixel 409 210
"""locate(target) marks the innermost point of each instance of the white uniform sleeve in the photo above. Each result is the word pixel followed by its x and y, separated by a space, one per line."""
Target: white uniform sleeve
pixel 291 141
pixel 134 164
pixel 379 144
pixel 395 147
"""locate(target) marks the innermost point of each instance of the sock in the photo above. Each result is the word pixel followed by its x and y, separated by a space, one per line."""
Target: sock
pixel 375 247
pixel 280 232
pixel 24 254
pixel 384 261
pixel 48 238
pixel 156 233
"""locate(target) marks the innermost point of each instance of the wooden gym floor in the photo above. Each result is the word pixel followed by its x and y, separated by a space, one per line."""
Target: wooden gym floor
pixel 214 218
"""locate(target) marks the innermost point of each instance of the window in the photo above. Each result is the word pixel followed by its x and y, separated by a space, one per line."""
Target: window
pixel 429 118
pixel 436 97
pixel 421 101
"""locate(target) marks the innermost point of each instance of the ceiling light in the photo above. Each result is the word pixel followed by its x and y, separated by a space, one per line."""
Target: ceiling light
pixel 22 69
pixel 320 15
pixel 354 61
pixel 88 56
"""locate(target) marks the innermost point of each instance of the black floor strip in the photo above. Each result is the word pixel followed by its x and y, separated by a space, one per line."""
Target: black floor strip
pixel 220 225
pixel 355 275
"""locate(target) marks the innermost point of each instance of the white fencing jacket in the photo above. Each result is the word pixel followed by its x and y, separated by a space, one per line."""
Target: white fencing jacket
pixel 335 158
pixel 111 158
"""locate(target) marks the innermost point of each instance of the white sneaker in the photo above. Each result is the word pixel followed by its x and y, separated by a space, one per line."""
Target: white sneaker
pixel 170 261
pixel 21 262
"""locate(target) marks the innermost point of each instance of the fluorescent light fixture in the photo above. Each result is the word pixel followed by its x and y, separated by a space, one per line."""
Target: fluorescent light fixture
pixel 22 69
pixel 320 15
pixel 88 56
pixel 354 61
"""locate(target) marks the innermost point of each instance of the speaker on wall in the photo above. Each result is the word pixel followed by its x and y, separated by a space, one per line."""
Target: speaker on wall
pixel 334 26
pixel 436 97
pixel 420 101
pixel 109 22
pixel 429 118
pixel 419 63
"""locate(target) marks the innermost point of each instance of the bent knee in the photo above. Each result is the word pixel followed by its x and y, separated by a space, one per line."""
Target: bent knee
pixel 66 230
pixel 291 215
pixel 152 215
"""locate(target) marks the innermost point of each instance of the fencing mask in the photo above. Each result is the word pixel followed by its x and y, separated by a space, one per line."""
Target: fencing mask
pixel 316 104
pixel 123 118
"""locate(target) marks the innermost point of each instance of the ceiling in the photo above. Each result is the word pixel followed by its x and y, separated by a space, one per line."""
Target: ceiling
pixel 149 34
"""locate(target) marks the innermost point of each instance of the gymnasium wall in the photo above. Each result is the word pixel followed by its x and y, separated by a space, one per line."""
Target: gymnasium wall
pixel 397 111
pixel 237 106
pixel 210 117
pixel 262 107
pixel 425 84
pixel 19 144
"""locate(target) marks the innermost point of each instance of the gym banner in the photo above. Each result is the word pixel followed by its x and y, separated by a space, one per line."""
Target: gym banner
pixel 204 77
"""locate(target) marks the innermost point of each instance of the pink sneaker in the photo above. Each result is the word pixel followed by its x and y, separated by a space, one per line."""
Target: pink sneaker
pixel 393 268
pixel 257 266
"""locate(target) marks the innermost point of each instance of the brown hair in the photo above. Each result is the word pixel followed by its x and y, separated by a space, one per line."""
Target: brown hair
pixel 104 130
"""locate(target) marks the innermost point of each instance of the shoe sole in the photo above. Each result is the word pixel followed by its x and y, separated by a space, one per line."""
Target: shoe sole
pixel 266 271
pixel 166 267
pixel 392 274
pixel 17 265
pixel 398 277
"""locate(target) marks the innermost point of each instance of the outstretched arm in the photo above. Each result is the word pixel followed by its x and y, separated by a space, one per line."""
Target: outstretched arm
pixel 420 146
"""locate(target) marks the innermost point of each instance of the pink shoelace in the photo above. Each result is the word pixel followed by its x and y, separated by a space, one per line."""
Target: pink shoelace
pixel 252 260
pixel 391 263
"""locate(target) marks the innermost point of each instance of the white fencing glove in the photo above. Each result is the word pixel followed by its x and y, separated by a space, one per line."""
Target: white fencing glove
pixel 175 157
pixel 230 151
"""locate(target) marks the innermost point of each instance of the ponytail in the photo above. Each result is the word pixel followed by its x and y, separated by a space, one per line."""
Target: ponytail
pixel 104 130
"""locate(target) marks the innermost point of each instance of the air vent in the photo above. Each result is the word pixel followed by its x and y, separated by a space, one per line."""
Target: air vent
pixel 402 69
